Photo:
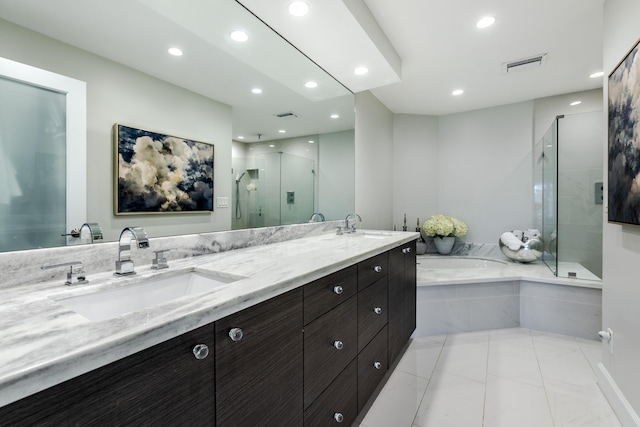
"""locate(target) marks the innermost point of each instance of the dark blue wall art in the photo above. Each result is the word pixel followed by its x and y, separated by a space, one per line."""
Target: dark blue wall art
pixel 158 173
pixel 624 140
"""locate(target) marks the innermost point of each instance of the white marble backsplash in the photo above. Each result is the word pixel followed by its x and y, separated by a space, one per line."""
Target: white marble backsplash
pixel 24 267
pixel 481 250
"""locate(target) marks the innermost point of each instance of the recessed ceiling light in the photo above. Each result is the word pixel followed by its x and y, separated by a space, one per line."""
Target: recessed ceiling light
pixel 457 92
pixel 271 145
pixel 239 36
pixel 361 71
pixel 311 84
pixel 575 103
pixel 596 75
pixel 298 8
pixel 335 116
pixel 256 90
pixel 241 137
pixel 175 51
pixel 282 131
pixel 311 141
pixel 485 21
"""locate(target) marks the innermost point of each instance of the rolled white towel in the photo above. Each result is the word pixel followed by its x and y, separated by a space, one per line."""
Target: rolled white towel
pixel 511 241
pixel 518 233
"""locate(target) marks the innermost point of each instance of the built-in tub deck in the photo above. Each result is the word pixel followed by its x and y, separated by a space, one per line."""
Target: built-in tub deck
pixel 466 293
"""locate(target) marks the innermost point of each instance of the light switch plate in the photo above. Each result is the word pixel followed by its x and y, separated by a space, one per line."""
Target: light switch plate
pixel 222 202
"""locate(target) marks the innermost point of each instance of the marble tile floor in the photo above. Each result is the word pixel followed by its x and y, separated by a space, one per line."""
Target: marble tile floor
pixel 498 378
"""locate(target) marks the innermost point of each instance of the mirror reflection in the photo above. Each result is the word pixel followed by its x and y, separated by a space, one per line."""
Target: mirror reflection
pixel 257 136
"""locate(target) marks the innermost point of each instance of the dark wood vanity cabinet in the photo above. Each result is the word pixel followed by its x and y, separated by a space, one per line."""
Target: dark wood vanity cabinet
pixel 402 297
pixel 163 385
pixel 259 364
pixel 310 357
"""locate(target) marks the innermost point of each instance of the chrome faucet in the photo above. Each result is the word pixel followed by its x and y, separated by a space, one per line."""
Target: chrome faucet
pixel 74 277
pixel 351 228
pixel 124 264
pixel 94 231
pixel 316 217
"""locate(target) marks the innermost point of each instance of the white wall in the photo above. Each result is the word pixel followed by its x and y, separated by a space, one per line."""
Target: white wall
pixel 621 244
pixel 486 169
pixel 373 162
pixel 415 166
pixel 117 94
pixel 475 166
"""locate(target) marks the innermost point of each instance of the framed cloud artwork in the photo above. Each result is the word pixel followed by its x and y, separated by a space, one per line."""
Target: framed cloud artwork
pixel 157 173
pixel 624 140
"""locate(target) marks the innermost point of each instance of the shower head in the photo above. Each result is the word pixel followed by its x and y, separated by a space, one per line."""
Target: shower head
pixel 239 177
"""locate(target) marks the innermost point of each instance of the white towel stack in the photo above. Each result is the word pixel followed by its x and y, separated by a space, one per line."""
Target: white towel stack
pixel 518 233
pixel 511 241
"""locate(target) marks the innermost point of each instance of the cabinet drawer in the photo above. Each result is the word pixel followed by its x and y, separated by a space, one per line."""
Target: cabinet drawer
pixel 323 360
pixel 372 311
pixel 372 366
pixel 323 294
pixel 371 270
pixel 339 401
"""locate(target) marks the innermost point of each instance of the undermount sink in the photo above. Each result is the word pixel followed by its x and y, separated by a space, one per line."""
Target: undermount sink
pixel 109 303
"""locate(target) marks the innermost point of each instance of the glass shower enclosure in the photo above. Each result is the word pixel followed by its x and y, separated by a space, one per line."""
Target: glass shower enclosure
pixel 278 191
pixel 572 195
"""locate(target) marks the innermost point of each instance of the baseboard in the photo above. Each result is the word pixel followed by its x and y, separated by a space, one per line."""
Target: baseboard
pixel 618 402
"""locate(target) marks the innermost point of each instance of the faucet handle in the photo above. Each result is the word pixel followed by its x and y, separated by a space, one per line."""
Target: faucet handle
pixel 76 277
pixel 160 261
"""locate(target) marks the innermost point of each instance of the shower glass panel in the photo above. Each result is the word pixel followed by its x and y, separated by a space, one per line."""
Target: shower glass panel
pixel 32 166
pixel 550 196
pixel 572 177
pixel 279 191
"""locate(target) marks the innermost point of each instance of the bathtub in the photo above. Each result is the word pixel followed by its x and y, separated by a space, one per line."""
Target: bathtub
pixel 464 294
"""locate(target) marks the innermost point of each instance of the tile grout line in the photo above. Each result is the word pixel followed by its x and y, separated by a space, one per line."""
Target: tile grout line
pixel 435 365
pixel 544 383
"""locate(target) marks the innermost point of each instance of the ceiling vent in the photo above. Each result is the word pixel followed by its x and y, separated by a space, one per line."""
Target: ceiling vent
pixel 287 115
pixel 525 64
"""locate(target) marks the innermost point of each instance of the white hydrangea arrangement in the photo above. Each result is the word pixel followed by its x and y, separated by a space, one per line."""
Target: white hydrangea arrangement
pixel 444 226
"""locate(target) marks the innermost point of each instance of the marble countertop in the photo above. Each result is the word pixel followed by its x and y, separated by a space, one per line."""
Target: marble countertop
pixel 42 343
pixel 501 270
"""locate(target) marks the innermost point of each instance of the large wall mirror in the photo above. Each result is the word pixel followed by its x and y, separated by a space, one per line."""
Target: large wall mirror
pixel 284 147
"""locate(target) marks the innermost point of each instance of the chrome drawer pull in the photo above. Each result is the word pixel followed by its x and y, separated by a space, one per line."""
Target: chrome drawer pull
pixel 201 351
pixel 377 365
pixel 338 417
pixel 377 269
pixel 377 310
pixel 236 334
pixel 338 289
pixel 338 344
pixel 406 250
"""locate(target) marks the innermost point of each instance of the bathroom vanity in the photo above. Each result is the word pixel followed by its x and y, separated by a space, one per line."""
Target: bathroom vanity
pixel 303 337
